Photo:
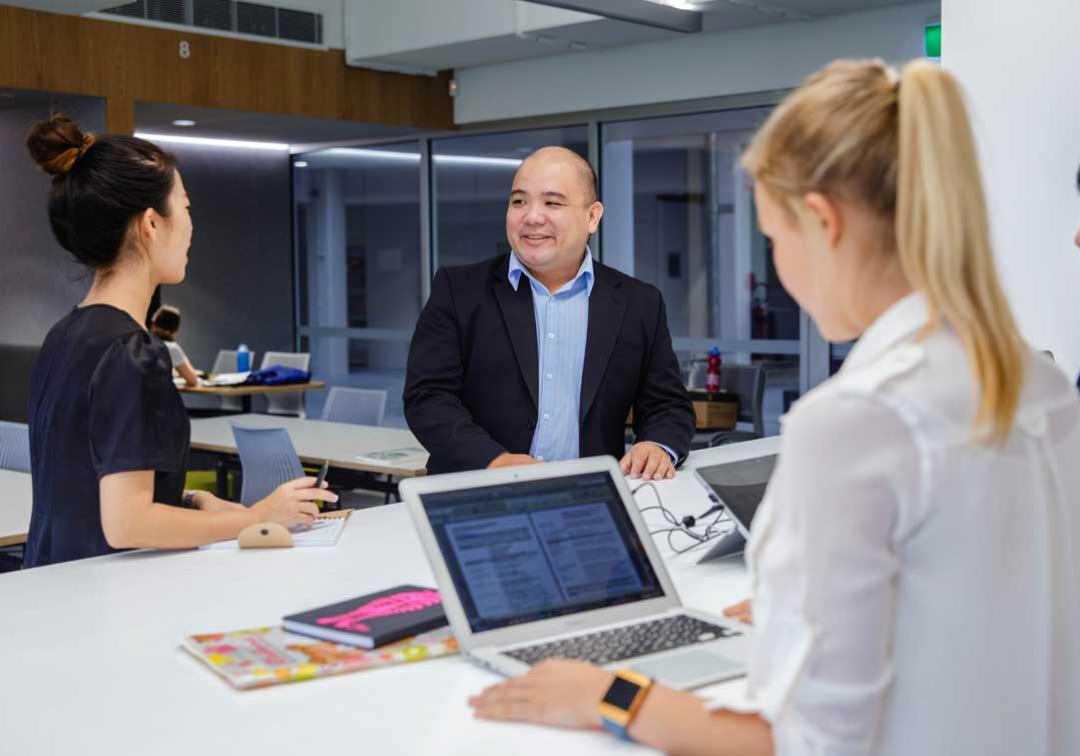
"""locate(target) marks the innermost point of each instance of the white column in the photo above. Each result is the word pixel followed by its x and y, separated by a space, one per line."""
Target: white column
pixel 1020 67
pixel 327 297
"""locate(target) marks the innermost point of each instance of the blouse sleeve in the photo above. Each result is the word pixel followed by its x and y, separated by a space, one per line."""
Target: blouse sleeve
pixel 133 418
pixel 826 575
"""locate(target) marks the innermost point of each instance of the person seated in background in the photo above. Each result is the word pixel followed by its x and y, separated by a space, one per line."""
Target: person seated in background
pixel 914 561
pixel 109 434
pixel 539 355
pixel 164 324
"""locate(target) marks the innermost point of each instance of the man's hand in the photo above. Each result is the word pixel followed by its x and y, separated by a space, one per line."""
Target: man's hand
pixel 647 461
pixel 506 459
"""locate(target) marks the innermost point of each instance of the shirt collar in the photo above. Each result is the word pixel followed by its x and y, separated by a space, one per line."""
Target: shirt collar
pixel 897 323
pixel 585 271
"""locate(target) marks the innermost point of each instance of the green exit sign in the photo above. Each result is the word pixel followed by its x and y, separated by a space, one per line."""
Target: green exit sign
pixel 932 38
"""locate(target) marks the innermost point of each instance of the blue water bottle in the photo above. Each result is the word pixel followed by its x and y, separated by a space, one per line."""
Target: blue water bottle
pixel 243 359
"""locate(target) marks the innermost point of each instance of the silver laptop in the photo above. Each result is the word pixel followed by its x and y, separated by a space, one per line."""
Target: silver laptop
pixel 555 560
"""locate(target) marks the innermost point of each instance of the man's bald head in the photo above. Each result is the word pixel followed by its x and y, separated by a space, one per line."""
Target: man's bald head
pixel 580 165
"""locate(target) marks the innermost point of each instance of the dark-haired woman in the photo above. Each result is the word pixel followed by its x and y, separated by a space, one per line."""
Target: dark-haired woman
pixel 109 434
pixel 164 324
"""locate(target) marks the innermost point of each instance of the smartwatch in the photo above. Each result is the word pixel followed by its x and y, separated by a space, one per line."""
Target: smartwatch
pixel 620 704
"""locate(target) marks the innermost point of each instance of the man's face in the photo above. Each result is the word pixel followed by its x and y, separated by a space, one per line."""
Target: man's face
pixel 551 213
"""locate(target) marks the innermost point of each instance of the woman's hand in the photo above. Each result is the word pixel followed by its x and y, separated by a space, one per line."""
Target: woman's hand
pixel 292 503
pixel 741 612
pixel 555 692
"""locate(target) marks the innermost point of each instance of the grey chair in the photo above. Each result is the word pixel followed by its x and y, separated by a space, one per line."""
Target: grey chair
pixel 353 405
pixel 286 404
pixel 225 362
pixel 267 459
pixel 14 446
pixel 748 382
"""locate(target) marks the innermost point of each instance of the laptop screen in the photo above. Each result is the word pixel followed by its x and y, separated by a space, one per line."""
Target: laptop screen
pixel 532 550
pixel 740 485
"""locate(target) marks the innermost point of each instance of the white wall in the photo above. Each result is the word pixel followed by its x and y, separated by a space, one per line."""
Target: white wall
pixel 1021 70
pixel 694 66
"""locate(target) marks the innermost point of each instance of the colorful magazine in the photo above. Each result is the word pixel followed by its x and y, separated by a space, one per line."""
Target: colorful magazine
pixel 266 656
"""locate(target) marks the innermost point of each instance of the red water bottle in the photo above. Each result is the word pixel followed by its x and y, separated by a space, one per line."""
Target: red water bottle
pixel 712 375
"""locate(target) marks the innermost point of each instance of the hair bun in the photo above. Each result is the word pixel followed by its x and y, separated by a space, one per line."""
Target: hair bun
pixel 56 143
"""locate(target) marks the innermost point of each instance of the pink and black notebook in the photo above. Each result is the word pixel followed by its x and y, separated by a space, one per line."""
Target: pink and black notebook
pixel 373 620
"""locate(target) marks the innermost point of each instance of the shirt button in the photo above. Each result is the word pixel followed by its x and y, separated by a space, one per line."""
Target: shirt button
pixel 551 335
pixel 540 458
pixel 547 415
pixel 548 376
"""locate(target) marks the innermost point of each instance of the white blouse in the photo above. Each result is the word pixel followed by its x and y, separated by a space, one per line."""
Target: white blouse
pixel 915 593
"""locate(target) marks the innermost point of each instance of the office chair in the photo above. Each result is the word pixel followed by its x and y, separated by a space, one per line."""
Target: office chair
pixel 267 459
pixel 14 446
pixel 225 362
pixel 357 406
pixel 748 383
pixel 286 404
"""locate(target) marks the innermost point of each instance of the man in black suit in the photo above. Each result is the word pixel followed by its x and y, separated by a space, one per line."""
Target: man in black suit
pixel 540 355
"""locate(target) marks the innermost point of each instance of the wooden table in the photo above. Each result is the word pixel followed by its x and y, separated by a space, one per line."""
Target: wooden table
pixel 245 392
pixel 315 441
pixel 16 501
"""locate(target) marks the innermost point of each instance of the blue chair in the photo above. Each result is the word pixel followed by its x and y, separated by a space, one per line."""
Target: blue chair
pixel 357 406
pixel 267 458
pixel 14 446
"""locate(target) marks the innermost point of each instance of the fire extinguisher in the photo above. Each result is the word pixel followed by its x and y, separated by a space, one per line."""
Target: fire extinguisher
pixel 712 375
pixel 759 311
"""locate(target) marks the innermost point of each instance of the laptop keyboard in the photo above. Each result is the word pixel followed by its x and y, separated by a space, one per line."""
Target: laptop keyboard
pixel 625 642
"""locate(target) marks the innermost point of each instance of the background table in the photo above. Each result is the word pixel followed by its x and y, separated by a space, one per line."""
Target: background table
pixel 245 392
pixel 92 662
pixel 315 441
pixel 16 500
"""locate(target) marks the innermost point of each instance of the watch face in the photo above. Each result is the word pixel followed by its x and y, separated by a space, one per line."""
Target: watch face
pixel 621 693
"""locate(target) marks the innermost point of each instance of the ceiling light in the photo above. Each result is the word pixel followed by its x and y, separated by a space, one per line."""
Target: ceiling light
pixel 234 143
pixel 183 122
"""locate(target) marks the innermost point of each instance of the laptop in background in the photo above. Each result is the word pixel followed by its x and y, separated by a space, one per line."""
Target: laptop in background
pixel 740 486
pixel 555 560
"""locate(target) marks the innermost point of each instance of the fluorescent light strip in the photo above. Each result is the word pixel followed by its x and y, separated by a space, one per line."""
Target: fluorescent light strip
pixel 413 157
pixel 207 142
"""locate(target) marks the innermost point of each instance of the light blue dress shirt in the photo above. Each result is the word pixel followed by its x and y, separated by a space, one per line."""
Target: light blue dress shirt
pixel 562 328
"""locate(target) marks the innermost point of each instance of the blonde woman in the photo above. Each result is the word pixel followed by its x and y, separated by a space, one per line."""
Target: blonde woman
pixel 916 562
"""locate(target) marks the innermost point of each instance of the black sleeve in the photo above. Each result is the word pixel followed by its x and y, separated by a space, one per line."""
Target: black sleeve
pixel 133 425
pixel 662 409
pixel 434 378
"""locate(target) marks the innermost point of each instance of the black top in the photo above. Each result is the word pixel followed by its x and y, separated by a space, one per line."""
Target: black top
pixel 102 401
pixel 471 382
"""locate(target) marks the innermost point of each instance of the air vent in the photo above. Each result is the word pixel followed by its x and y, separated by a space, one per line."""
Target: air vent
pixel 254 19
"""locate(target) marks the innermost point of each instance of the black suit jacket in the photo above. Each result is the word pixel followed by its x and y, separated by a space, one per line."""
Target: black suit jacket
pixel 471 385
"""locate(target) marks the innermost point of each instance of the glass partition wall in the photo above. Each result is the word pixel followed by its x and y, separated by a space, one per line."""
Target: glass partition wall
pixel 373 222
pixel 679 213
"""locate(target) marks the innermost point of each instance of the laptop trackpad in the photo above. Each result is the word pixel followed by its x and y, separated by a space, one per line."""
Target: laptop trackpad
pixel 690 668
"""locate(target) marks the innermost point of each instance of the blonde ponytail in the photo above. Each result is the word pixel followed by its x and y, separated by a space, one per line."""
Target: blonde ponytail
pixel 903 148
pixel 943 239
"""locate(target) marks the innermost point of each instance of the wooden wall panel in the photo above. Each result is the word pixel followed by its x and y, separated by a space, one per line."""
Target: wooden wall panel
pixel 78 55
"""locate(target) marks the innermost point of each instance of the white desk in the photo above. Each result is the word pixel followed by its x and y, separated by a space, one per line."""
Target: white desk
pixel 315 441
pixel 91 662
pixel 16 499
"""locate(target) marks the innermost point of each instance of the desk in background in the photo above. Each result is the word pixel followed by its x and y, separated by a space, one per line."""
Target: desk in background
pixel 245 392
pixel 98 640
pixel 16 501
pixel 315 441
